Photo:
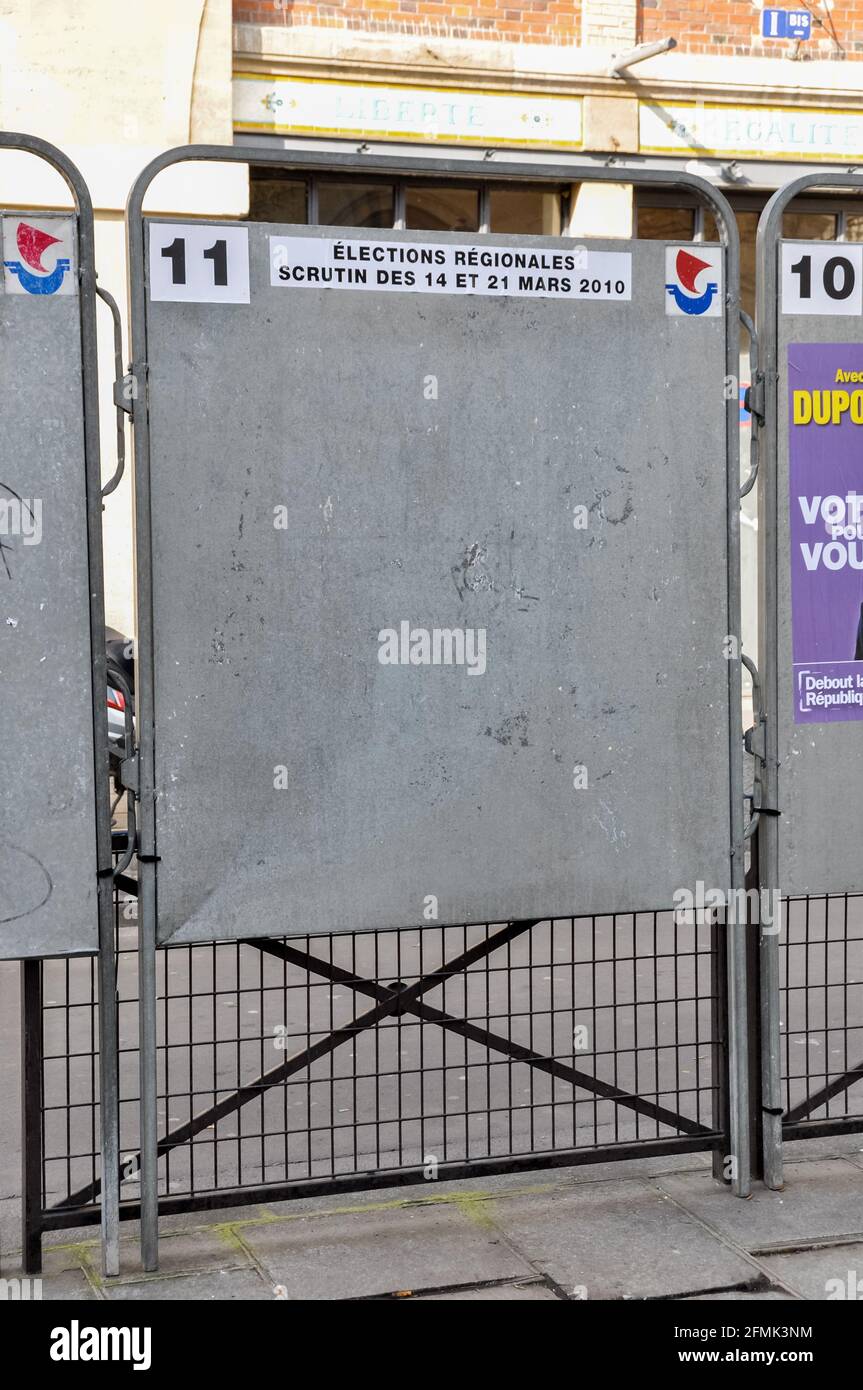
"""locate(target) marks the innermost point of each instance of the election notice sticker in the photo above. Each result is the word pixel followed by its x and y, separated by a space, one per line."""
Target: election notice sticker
pixel 822 277
pixel 199 264
pixel 424 267
pixel 825 411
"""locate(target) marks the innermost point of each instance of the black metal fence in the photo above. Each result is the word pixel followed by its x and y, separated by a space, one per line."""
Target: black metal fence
pixel 822 1015
pixel 294 1066
pixel 291 1067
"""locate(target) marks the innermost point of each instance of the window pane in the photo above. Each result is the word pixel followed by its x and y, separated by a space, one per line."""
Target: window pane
pixel 442 209
pixel 854 226
pixel 525 210
pixel 277 200
pixel 666 224
pixel 355 204
pixel 747 225
pixel 809 226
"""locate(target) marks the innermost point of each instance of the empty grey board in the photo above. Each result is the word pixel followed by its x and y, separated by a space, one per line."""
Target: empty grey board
pixel 338 476
pixel 48 852
pixel 820 580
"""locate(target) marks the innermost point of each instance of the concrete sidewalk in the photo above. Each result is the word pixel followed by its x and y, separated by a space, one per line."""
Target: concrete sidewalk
pixel 645 1230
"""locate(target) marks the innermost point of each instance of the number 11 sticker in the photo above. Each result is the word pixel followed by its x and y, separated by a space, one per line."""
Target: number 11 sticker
pixel 199 264
pixel 822 277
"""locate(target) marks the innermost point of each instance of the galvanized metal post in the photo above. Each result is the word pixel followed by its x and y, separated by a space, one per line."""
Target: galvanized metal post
pixel 719 1047
pixel 753 971
pixel 109 1088
pixel 768 630
pixel 31 1116
pixel 109 1069
pixel 147 911
pixel 738 1030
pixel 93 542
pixel 149 1174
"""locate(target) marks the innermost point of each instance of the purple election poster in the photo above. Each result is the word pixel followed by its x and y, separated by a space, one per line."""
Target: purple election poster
pixel 825 404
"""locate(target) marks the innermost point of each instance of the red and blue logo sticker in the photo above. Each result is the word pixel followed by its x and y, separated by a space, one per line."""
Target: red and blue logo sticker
pixel 38 256
pixel 693 281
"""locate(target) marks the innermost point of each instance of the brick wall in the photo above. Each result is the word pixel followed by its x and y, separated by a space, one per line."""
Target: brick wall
pixel 734 27
pixel 720 27
pixel 524 21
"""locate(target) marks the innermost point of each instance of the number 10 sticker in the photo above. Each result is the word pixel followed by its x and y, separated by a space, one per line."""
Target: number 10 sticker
pixel 199 264
pixel 822 277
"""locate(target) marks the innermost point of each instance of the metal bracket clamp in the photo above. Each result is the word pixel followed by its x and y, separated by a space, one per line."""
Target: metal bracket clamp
pixel 130 774
pixel 754 740
pixel 120 401
pixel 753 402
pixel 755 743
pixel 124 393
pixel 753 398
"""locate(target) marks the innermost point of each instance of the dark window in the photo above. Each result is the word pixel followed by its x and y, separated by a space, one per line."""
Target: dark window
pixel 355 204
pixel 434 209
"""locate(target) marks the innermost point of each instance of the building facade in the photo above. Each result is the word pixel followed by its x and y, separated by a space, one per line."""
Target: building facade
pixel 743 97
pixel 744 107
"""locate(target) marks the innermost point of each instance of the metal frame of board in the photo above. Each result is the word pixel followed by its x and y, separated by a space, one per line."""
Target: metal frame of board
pixel 83 213
pixel 451 169
pixel 766 421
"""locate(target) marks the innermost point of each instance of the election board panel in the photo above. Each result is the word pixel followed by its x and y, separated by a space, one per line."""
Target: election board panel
pixel 438 552
pixel 820 567
pixel 48 852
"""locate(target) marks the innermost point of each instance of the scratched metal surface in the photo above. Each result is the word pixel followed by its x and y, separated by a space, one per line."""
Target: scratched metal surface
pixel 604 646
pixel 820 785
pixel 47 806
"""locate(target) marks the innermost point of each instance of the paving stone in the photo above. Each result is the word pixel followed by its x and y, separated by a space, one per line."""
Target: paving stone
pixel 72 1283
pixel 591 1226
pixel 634 1168
pixel 847 1145
pixel 378 1252
pixel 189 1252
pixel 512 1293
pixel 493 1185
pixel 620 1240
pixel 222 1285
pixel 180 1252
pixel 10 1230
pixel 737 1296
pixel 61 1258
pixel 818 1200
pixel 810 1272
pixel 475 1188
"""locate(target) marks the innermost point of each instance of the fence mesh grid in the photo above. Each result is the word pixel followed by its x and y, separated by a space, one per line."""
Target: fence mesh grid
pixel 822 1007
pixel 275 1069
pixel 521 1052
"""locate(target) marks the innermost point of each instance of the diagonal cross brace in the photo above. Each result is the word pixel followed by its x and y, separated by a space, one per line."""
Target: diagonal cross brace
pixel 494 1041
pixel 392 1002
pixel 814 1102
